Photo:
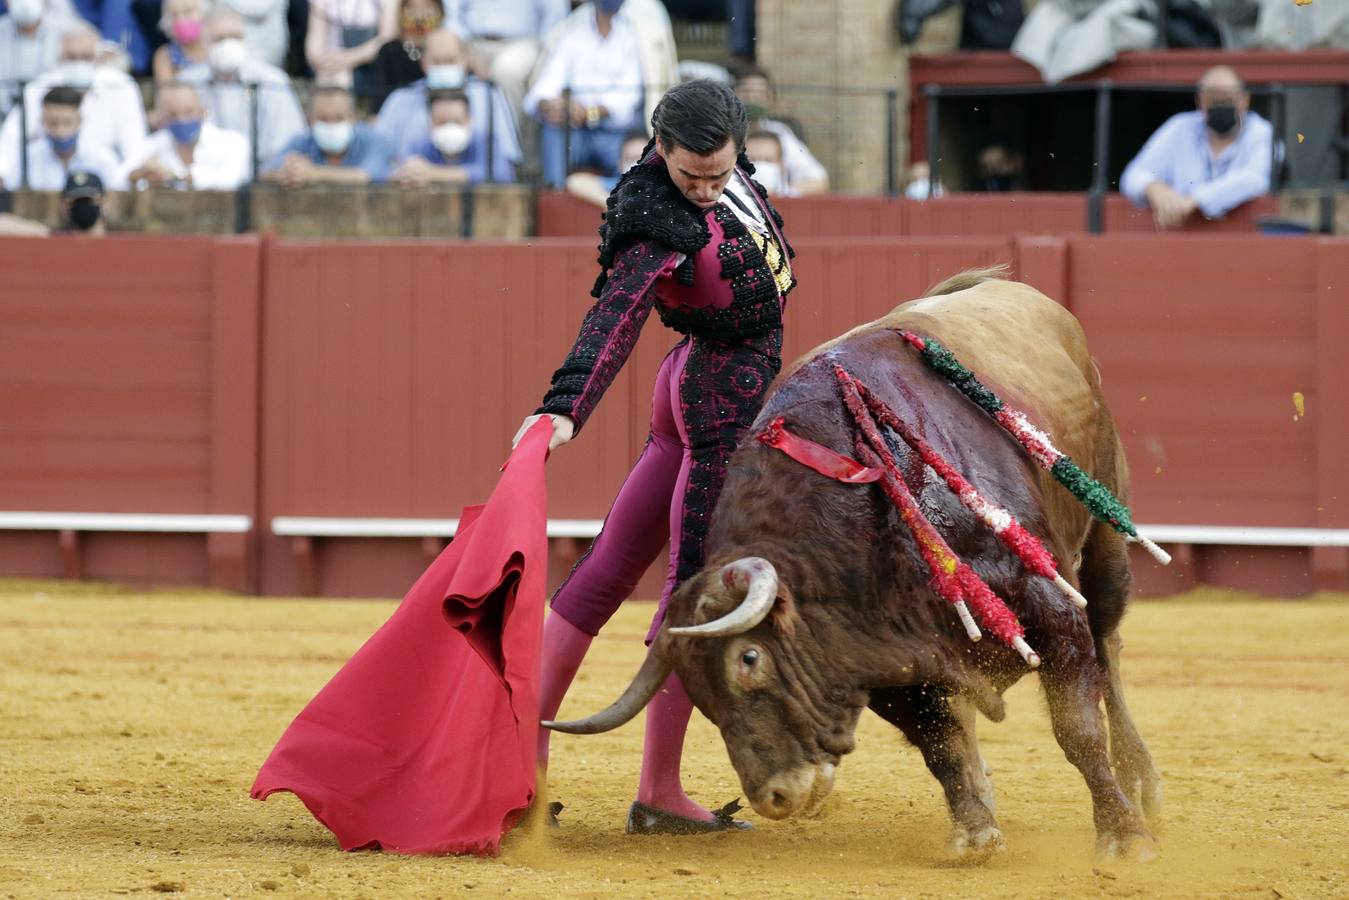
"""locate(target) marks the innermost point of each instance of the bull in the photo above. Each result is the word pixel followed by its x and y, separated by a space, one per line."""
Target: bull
pixel 814 603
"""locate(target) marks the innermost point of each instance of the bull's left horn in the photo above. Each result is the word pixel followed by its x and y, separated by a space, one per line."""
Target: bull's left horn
pixel 760 582
pixel 655 669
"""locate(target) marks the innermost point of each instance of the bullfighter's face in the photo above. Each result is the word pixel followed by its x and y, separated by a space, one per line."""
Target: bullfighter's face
pixel 784 707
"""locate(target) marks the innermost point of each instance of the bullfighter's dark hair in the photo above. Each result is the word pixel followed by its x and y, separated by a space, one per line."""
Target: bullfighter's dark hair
pixel 700 116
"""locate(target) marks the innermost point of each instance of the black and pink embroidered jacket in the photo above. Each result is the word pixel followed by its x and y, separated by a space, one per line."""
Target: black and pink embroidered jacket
pixel 704 274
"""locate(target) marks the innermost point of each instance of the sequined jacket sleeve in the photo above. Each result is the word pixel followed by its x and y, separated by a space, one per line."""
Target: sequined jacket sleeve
pixel 609 331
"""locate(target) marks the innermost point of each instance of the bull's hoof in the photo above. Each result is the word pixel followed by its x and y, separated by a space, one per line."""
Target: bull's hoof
pixel 1127 847
pixel 976 844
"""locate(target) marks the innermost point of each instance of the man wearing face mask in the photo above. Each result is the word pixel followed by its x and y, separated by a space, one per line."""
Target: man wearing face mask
pixel 112 114
pixel 82 205
pixel 224 88
pixel 189 152
pixel 30 44
pixel 764 148
pixel 1210 160
pixel 800 167
pixel 58 149
pixel 451 155
pixel 403 119
pixel 336 150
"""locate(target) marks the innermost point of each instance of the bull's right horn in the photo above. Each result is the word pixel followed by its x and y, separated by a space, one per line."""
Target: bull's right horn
pixel 655 669
pixel 760 584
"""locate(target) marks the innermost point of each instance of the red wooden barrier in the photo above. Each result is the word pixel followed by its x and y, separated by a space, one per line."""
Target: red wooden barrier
pixel 393 375
pixel 128 383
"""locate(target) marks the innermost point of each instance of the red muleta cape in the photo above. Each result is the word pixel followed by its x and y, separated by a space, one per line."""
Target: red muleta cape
pixel 424 742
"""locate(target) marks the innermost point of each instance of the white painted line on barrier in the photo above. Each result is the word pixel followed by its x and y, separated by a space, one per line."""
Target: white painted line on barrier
pixel 165 522
pixel 1246 536
pixel 328 526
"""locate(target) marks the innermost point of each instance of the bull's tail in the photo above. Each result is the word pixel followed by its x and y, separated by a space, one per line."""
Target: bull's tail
pixel 969 278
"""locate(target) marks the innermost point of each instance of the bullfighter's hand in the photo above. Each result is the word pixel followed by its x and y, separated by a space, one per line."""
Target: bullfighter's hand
pixel 563 430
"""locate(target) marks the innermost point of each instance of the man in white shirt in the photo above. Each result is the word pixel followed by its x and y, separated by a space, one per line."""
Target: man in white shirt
pixel 189 152
pixel 30 44
pixel 111 113
pixel 59 149
pixel 801 171
pixel 1210 160
pixel 224 88
pixel 601 65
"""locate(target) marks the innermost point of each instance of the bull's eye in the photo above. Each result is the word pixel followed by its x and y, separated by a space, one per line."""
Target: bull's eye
pixel 749 658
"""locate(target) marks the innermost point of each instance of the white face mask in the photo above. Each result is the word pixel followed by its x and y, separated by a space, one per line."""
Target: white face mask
pixel 333 137
pixel 77 73
pixel 26 12
pixel 451 138
pixel 228 55
pixel 769 174
pixel 445 78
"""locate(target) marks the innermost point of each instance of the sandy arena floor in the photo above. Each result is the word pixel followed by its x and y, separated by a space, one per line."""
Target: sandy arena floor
pixel 132 725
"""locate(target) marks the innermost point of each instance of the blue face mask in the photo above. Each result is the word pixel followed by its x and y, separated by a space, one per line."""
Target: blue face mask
pixel 186 132
pixel 609 6
pixel 64 145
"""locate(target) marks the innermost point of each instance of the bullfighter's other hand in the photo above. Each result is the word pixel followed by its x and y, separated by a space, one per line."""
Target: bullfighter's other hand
pixel 563 430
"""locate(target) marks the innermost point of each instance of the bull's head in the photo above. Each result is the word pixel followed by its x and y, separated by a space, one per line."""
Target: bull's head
pixel 763 673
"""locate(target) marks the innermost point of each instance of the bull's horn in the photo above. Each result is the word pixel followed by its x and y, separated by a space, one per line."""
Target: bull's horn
pixel 655 669
pixel 760 584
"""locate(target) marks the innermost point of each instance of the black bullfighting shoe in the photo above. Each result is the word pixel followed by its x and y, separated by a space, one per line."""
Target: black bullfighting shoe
pixel 643 819
pixel 554 809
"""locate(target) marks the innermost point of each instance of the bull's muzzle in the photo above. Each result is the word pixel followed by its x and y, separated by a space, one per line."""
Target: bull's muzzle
pixel 798 791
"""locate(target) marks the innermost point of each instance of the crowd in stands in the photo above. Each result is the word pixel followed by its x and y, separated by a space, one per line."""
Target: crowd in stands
pixel 421 92
pixel 215 94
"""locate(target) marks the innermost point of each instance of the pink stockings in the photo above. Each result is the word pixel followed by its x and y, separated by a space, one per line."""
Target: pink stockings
pixel 647 511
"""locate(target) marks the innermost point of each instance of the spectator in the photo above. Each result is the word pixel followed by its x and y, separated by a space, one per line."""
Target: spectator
pixel 801 170
pixel 919 185
pixel 224 88
pixel 336 150
pixel 111 112
pixel 183 23
pixel 59 149
pixel 399 62
pixel 188 152
pixel 266 34
pixel 30 44
pixel 1211 160
pixel 82 204
pixel 598 56
pixel 124 44
pixel 764 149
pixel 596 189
pixel 344 38
pixel 403 120
pixel 504 37
pixel 998 167
pixel 451 155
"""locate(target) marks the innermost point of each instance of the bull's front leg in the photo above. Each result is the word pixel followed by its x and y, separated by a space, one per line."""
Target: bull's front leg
pixel 941 726
pixel 1073 683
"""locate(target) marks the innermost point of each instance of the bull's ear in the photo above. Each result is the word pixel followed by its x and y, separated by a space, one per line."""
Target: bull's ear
pixel 784 615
